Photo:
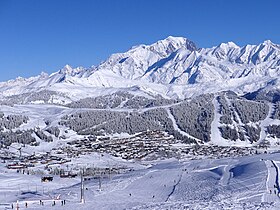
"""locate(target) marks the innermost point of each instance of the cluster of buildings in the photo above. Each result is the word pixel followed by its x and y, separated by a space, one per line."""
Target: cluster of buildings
pixel 153 145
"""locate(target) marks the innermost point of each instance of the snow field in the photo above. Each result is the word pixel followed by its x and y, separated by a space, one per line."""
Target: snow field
pixel 230 183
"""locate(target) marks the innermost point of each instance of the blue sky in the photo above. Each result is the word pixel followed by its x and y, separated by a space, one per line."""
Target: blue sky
pixel 44 35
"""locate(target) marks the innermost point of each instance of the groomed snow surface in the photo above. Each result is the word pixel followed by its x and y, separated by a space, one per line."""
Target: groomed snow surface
pixel 234 183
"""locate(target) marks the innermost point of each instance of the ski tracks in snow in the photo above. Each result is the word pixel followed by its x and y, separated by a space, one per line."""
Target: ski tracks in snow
pixel 264 123
pixel 216 137
pixel 226 175
pixel 272 182
pixel 174 187
pixel 178 129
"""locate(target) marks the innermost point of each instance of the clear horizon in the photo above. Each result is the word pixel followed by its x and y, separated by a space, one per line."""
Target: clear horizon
pixel 43 36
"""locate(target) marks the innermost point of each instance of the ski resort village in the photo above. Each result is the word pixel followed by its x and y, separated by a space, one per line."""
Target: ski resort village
pixel 172 124
pixel 74 140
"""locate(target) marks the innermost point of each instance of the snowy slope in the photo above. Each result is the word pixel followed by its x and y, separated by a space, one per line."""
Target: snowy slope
pixel 233 183
pixel 173 67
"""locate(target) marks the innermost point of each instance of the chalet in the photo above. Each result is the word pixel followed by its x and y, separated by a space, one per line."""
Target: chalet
pixel 46 179
pixel 68 175
pixel 16 166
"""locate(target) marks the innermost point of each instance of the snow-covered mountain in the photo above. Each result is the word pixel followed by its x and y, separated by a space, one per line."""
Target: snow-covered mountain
pixel 158 120
pixel 173 67
pixel 178 61
pixel 143 89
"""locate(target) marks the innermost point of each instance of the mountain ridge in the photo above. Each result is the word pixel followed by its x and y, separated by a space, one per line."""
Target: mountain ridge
pixel 225 95
pixel 173 67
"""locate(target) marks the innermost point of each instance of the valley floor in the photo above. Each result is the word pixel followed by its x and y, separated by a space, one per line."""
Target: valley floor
pixel 250 182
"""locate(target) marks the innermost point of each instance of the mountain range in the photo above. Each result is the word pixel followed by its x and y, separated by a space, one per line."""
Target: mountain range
pixel 224 95
pixel 173 68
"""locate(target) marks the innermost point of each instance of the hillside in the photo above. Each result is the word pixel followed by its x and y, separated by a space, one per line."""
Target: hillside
pixel 167 125
pixel 224 95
